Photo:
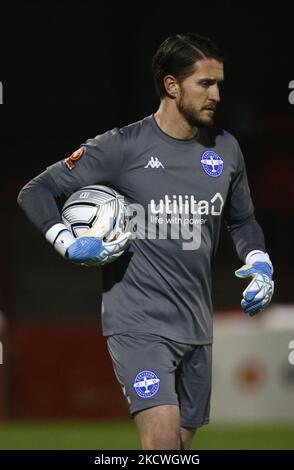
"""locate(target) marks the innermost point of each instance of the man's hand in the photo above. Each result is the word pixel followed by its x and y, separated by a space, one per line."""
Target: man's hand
pixel 260 290
pixel 91 251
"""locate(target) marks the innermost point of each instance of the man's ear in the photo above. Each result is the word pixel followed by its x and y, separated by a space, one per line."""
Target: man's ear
pixel 171 86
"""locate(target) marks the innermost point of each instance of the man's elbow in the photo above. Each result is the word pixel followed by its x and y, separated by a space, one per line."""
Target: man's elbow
pixel 237 224
pixel 20 196
pixel 23 193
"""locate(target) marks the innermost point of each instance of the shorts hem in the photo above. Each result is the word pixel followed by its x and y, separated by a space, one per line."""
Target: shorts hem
pixel 194 425
pixel 146 407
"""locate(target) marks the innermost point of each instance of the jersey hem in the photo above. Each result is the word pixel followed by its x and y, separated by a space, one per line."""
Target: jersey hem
pixel 178 339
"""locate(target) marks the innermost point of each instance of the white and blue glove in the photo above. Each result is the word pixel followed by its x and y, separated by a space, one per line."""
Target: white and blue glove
pixel 91 251
pixel 259 292
pixel 87 250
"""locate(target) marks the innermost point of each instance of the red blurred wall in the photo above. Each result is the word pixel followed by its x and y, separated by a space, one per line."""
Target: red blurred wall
pixel 56 371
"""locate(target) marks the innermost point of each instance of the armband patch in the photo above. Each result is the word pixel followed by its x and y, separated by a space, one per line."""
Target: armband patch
pixel 73 158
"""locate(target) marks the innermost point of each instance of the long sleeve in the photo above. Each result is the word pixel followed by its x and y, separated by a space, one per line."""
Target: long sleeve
pixel 97 162
pixel 244 229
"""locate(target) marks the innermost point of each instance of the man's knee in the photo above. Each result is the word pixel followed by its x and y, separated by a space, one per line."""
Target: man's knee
pixel 187 435
pixel 159 428
pixel 161 440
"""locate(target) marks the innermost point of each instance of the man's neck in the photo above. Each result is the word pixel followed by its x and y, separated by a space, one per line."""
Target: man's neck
pixel 170 121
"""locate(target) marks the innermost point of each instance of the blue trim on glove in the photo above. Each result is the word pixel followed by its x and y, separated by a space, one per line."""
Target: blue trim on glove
pixel 84 249
pixel 263 267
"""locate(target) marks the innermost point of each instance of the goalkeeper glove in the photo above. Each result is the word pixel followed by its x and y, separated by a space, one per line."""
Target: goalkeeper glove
pixel 87 250
pixel 91 251
pixel 259 292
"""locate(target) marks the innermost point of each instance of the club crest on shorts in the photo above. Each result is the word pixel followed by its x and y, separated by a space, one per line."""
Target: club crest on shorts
pixel 212 163
pixel 146 384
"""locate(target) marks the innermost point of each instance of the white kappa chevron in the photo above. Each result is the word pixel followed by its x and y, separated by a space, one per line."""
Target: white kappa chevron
pixel 154 163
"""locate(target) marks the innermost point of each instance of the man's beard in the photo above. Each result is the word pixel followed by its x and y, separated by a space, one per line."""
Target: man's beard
pixel 193 117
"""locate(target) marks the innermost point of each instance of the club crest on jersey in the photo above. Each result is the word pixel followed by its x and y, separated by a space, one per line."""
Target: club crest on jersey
pixel 73 158
pixel 146 384
pixel 212 163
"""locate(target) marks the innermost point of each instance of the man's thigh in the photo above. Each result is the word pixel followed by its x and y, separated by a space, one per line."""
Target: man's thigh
pixel 159 427
pixel 145 367
pixel 154 371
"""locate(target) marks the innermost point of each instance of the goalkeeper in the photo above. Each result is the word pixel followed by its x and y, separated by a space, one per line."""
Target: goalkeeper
pixel 158 312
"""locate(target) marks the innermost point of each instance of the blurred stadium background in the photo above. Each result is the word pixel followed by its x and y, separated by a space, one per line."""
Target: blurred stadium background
pixel 89 73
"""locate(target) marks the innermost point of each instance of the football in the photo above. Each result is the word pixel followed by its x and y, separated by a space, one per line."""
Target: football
pixel 95 211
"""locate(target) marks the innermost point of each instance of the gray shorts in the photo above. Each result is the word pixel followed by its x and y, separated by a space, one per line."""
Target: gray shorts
pixel 153 371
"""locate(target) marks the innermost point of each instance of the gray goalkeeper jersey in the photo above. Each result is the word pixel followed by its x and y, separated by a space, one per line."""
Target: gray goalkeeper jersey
pixel 162 284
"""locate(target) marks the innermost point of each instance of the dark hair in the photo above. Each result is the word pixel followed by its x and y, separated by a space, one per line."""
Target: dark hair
pixel 177 56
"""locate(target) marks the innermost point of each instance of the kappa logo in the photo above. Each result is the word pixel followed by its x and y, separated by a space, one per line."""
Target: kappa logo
pixel 146 384
pixel 154 163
